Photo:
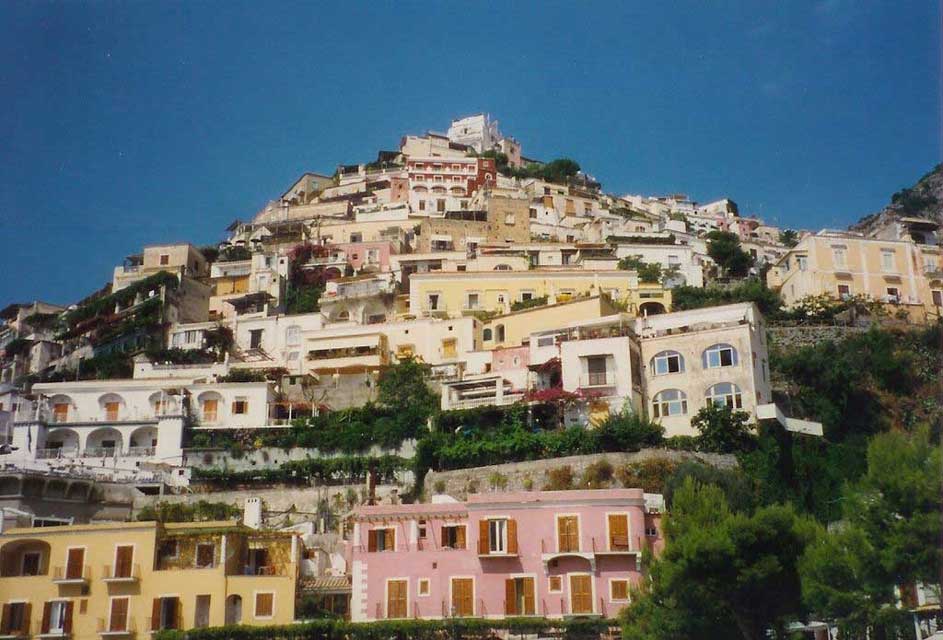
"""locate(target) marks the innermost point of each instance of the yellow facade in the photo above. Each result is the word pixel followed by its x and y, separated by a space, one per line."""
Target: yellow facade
pixel 456 294
pixel 127 579
pixel 511 329
pixel 899 272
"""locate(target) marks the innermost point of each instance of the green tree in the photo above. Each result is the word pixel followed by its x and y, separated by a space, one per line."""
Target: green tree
pixel 723 247
pixel 789 237
pixel 751 290
pixel 722 429
pixel 404 387
pixel 647 271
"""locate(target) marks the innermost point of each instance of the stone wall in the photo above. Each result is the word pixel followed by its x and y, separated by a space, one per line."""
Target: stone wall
pixel 788 338
pixel 274 457
pixel 517 474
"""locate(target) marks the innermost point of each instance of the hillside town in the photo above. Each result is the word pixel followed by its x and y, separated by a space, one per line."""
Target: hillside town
pixel 435 385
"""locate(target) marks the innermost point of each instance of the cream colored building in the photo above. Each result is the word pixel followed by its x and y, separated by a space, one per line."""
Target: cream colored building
pixel 181 259
pixel 898 272
pixel 515 328
pixel 124 580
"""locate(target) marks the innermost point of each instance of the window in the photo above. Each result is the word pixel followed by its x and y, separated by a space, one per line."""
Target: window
pixel 619 589
pixel 802 262
pixel 255 338
pixel 937 298
pixel 32 562
pixel 719 355
pixel 423 588
pixel 519 596
pixel 486 335
pixel 433 300
pixel 240 406
pixel 205 552
pixel 57 617
pixel 449 350
pixel 893 294
pixel 840 256
pixel 844 291
pixel 111 411
pixel 118 616
pixel 472 301
pixel 15 620
pixel 533 214
pixel 463 594
pixel 381 540
pixel 725 394
pixel 618 524
pixel 264 605
pixel 497 536
pixel 356 237
pixel 651 531
pixel 581 593
pixel 667 362
pixel 164 259
pixel 422 205
pixel 396 599
pixel 440 204
pixel 887 260
pixel 568 534
pixel 60 412
pixel 75 564
pixel 545 341
pixel 124 558
pixel 210 406
pixel 499 333
pixel 453 536
pixel 555 584
pixel 502 267
pixel 670 402
pixel 201 617
pixel 509 218
pixel 170 549
pixel 293 335
pixel 597 374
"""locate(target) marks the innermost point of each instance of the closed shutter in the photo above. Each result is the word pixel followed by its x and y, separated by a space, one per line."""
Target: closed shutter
pixel 568 533
pixel 264 605
pixel 155 615
pixel 462 603
pixel 47 612
pixel 483 537
pixel 123 558
pixel 74 564
pixel 27 612
pixel 581 594
pixel 372 540
pixel 460 537
pixel 5 620
pixel 530 597
pixel 67 620
pixel 510 598
pixel 396 599
pixel 119 615
pixel 512 537
pixel 618 533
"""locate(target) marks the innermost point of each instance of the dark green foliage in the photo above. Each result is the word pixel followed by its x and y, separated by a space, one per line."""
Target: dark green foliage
pixel 234 253
pixel 756 291
pixel 303 298
pixel 405 387
pixel 116 365
pixel 450 628
pixel 182 512
pixel 210 252
pixel 244 375
pixel 520 305
pixel 737 486
pixel 105 305
pixel 324 471
pixel 558 171
pixel 789 237
pixel 181 356
pixel 647 271
pixel 17 347
pixel 722 430
pixel 724 248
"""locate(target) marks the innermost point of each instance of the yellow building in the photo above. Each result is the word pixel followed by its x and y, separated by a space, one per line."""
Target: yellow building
pixel 897 272
pixel 510 330
pixel 128 579
pixel 459 293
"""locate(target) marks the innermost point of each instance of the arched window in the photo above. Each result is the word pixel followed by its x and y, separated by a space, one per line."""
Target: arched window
pixel 486 334
pixel 667 362
pixel 725 394
pixel 502 267
pixel 499 333
pixel 293 334
pixel 670 402
pixel 719 355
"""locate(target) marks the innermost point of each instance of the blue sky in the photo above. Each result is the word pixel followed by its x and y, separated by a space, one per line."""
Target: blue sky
pixel 124 124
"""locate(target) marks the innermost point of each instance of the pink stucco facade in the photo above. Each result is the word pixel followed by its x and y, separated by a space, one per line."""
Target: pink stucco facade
pixel 360 254
pixel 542 553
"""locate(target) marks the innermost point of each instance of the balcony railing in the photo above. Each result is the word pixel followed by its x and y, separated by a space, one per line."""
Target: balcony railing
pixel 109 627
pixel 267 570
pixel 142 452
pixel 598 379
pixel 100 452
pixel 57 452
pixel 72 574
pixel 121 574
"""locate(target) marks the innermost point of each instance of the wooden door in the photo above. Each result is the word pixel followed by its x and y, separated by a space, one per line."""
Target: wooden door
pixel 568 533
pixel 60 412
pixel 618 532
pixel 581 594
pixel 118 621
pixel 75 564
pixel 209 410
pixel 111 411
pixel 124 555
pixel 463 604
pixel 396 606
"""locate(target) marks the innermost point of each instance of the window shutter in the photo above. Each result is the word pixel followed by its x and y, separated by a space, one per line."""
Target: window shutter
pixel 512 537
pixel 460 537
pixel 562 535
pixel 47 610
pixel 483 538
pixel 155 615
pixel 391 542
pixel 27 610
pixel 119 614
pixel 174 612
pixel 372 540
pixel 443 537
pixel 510 598
pixel 529 597
pixel 234 403
pixel 67 621
pixel 5 619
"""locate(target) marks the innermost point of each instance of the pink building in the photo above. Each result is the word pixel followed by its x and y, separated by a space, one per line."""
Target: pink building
pixel 540 553
pixel 361 254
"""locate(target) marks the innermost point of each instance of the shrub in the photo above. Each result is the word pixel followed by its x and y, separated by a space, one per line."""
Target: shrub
pixel 597 475
pixel 650 475
pixel 439 486
pixel 559 479
pixel 528 484
pixel 498 481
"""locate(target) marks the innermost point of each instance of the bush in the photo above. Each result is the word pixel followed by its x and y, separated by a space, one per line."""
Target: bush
pixel 559 479
pixel 648 475
pixel 597 475
pixel 181 512
pixel 439 486
pixel 752 290
pixel 498 481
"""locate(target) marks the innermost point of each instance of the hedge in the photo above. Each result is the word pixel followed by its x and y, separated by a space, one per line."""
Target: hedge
pixel 339 470
pixel 399 629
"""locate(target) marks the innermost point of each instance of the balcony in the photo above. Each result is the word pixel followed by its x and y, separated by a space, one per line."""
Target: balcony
pixel 597 380
pixel 266 570
pixel 71 574
pixel 101 452
pixel 141 452
pixel 57 453
pixel 120 575
pixel 108 628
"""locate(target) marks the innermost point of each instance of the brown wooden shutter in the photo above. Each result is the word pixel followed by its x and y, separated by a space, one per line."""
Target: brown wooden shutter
pixel 27 613
pixel 5 619
pixel 75 564
pixel 530 597
pixel 561 534
pixel 618 532
pixel 155 615
pixel 512 537
pixel 47 611
pixel 483 538
pixel 391 543
pixel 581 593
pixel 372 540
pixel 510 598
pixel 460 537
pixel 123 557
pixel 119 615
pixel 443 538
pixel 67 622
pixel 174 614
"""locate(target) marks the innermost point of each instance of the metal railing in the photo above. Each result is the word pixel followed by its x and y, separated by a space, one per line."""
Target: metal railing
pixel 126 572
pixel 57 452
pixel 108 626
pixel 100 452
pixel 144 452
pixel 597 379
pixel 71 572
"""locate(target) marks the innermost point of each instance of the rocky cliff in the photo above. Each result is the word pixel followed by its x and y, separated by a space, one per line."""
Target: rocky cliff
pixel 923 200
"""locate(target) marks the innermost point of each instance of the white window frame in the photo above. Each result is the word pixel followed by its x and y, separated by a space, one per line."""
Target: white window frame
pixel 736 396
pixel 592 588
pixel 717 349
pixel 628 587
pixel 474 611
pixel 579 530
pixel 664 357
pixel 255 604
pixel 659 404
